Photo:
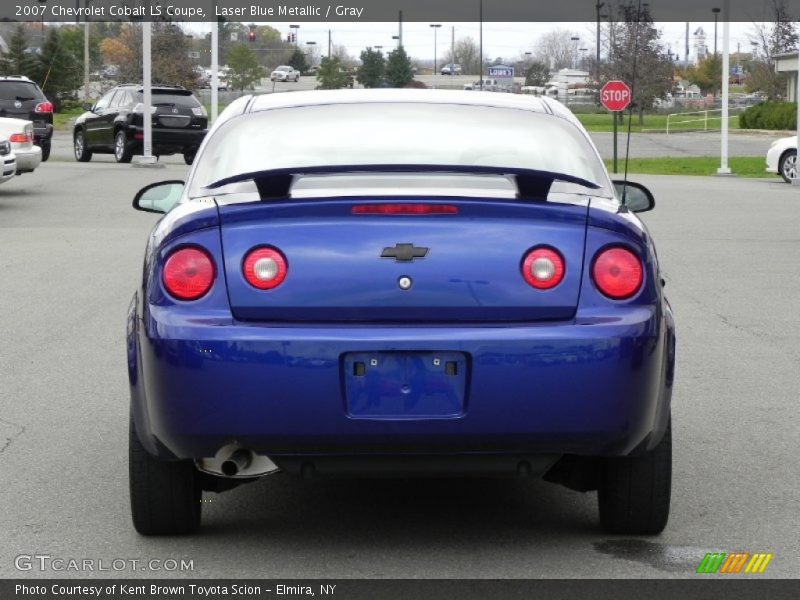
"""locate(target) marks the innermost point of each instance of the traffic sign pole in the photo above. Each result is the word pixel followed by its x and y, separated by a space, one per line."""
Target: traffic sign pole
pixel 614 115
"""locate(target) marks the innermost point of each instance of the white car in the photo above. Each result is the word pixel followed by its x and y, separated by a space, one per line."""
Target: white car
pixel 782 158
pixel 285 73
pixel 19 134
pixel 8 162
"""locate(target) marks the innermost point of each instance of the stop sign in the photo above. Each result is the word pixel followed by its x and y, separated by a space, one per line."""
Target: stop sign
pixel 615 96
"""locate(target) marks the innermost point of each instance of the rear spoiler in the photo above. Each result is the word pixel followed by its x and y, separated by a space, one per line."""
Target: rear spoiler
pixel 277 183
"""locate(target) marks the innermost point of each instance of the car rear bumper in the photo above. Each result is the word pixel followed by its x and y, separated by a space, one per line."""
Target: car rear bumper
pixel 42 133
pixel 175 139
pixel 28 159
pixel 592 386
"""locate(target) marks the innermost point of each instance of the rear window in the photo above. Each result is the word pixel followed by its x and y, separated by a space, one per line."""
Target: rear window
pixel 171 97
pixel 20 90
pixel 399 134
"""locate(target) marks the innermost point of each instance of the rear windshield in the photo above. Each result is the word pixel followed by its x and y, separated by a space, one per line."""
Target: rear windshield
pixel 374 134
pixel 19 90
pixel 171 97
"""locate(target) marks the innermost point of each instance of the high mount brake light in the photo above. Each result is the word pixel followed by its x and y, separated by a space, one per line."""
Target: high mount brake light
pixel 617 273
pixel 404 209
pixel 188 274
pixel 543 268
pixel 264 268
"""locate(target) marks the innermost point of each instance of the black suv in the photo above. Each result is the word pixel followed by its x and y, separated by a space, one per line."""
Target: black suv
pixel 21 98
pixel 114 125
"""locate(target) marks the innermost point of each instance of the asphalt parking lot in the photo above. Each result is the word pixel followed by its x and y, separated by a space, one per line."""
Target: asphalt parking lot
pixel 71 250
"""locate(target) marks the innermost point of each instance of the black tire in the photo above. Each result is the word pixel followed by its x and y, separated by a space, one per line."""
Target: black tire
pixel 634 492
pixel 165 495
pixel 788 165
pixel 123 153
pixel 188 157
pixel 80 149
pixel 46 147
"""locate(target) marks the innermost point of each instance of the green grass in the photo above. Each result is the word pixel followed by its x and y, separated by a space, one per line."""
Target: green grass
pixel 61 120
pixel 747 166
pixel 603 122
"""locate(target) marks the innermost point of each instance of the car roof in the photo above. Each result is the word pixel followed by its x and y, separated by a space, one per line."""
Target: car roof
pixel 15 78
pixel 536 104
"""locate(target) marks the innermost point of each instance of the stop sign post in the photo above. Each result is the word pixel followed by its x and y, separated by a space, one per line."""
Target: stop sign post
pixel 615 96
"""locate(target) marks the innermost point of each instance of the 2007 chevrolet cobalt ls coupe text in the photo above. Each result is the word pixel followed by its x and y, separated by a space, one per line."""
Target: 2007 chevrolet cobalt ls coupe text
pixel 399 282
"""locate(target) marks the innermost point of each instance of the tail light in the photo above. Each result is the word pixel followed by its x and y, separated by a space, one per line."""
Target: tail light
pixel 404 209
pixel 617 273
pixel 264 268
pixel 20 138
pixel 43 107
pixel 543 268
pixel 188 274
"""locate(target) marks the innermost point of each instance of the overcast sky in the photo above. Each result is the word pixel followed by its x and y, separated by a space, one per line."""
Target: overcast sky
pixel 505 40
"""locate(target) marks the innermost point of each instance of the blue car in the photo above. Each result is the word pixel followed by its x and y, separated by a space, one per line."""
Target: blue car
pixel 399 282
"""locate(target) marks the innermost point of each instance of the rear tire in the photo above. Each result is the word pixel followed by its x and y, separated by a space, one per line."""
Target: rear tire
pixel 634 492
pixel 46 147
pixel 787 166
pixel 82 152
pixel 165 495
pixel 122 150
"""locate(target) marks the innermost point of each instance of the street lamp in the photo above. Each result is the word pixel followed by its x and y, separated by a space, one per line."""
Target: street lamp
pixel 716 18
pixel 755 49
pixel 597 8
pixel 575 39
pixel 310 47
pixel 396 37
pixel 295 27
pixel 435 27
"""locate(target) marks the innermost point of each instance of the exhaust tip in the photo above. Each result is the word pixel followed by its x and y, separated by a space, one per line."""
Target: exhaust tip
pixel 238 461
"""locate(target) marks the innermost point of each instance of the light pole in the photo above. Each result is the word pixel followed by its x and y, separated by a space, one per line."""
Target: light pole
pixel 716 18
pixel 396 37
pixel 583 52
pixel 435 28
pixel 597 8
pixel 310 49
pixel 575 39
pixel 295 27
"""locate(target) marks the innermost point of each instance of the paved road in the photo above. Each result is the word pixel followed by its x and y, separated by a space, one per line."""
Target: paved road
pixel 71 255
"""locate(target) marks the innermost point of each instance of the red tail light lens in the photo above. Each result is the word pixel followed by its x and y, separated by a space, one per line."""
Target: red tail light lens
pixel 617 273
pixel 404 209
pixel 43 107
pixel 188 274
pixel 543 268
pixel 264 268
pixel 19 138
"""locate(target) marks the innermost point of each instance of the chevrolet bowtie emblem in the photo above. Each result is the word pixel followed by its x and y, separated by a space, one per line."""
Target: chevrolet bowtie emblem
pixel 404 252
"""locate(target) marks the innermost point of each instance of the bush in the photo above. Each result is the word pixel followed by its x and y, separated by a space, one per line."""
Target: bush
pixel 770 115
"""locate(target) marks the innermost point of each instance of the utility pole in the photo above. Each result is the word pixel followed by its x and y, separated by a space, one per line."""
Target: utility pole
pixel 214 68
pixel 452 50
pixel 724 169
pixel 329 43
pixel 597 7
pixel 480 43
pixel 435 27
pixel 86 95
pixel 400 29
pixel 686 63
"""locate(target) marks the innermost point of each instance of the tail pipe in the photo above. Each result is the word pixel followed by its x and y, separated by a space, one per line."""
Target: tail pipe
pixel 237 462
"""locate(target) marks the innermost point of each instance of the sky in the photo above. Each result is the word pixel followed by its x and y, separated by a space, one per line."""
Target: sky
pixel 506 40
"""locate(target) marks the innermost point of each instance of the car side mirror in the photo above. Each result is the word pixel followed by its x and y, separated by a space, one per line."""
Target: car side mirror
pixel 159 197
pixel 88 106
pixel 634 196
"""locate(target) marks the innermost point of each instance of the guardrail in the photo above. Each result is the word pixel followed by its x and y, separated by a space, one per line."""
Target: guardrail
pixel 700 119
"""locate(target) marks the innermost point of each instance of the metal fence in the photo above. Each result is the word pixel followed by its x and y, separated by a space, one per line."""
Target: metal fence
pixel 700 120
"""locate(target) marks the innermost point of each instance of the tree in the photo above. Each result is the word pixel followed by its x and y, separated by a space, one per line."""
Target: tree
pixel 340 52
pixel 637 57
pixel 398 68
pixel 61 66
pixel 19 60
pixel 298 61
pixel 537 73
pixel 557 50
pixel 373 66
pixel 244 68
pixel 774 37
pixel 467 54
pixel 706 75
pixel 330 74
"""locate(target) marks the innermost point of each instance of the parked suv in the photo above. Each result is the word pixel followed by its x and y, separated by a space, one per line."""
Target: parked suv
pixel 21 98
pixel 114 124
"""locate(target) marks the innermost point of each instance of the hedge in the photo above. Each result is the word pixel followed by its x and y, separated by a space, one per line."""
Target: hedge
pixel 770 115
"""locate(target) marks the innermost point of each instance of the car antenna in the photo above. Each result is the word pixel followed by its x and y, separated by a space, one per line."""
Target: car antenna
pixel 633 96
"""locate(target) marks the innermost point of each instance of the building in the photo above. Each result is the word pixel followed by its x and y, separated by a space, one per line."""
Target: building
pixel 787 63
